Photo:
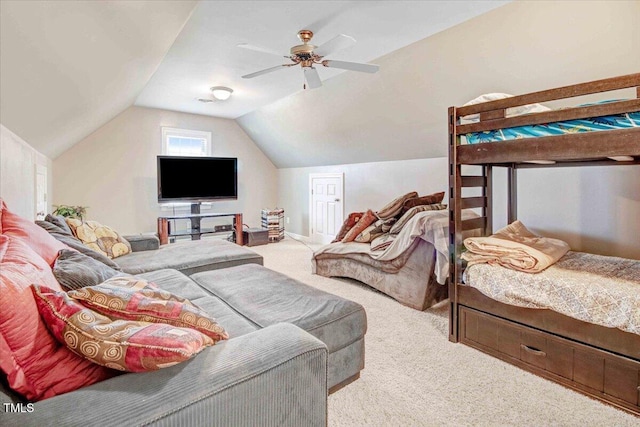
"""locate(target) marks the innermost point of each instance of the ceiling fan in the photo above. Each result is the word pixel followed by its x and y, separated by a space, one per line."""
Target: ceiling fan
pixel 307 55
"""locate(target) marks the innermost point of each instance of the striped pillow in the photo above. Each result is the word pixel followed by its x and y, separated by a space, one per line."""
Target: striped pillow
pixel 404 219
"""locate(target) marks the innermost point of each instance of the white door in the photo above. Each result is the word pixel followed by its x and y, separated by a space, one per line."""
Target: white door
pixel 326 206
pixel 41 192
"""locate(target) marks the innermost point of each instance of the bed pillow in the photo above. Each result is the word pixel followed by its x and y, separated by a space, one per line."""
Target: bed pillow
pixel 74 270
pixel 367 219
pixel 394 207
pixel 99 237
pixel 382 242
pixel 423 200
pixel 352 219
pixel 125 345
pixel 33 362
pixel 39 240
pixel 514 111
pixel 406 217
pixel 136 299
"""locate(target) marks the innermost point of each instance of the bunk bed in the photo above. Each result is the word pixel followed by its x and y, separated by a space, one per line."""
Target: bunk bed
pixel 602 362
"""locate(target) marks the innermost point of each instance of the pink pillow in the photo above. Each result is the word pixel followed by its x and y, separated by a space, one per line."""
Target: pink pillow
pixel 43 244
pixel 36 365
pixel 126 345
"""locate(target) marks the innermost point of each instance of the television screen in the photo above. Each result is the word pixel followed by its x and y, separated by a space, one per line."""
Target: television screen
pixel 197 178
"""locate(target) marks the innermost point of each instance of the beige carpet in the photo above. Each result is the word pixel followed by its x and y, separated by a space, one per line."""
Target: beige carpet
pixel 414 376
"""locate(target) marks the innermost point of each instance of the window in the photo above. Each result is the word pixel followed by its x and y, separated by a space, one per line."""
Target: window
pixel 184 142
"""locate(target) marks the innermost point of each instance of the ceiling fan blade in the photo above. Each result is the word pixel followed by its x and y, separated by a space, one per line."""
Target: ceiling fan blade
pixel 353 66
pixel 265 71
pixel 337 43
pixel 312 77
pixel 261 49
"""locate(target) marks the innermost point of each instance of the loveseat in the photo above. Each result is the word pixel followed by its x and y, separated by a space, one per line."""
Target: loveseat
pixel 289 345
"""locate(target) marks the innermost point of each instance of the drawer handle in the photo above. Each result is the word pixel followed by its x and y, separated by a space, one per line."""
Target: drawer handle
pixel 533 350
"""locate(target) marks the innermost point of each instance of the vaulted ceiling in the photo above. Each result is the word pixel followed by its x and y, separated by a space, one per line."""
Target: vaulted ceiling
pixel 68 67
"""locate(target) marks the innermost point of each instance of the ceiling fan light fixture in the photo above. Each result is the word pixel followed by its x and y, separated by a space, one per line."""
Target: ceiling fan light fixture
pixel 221 93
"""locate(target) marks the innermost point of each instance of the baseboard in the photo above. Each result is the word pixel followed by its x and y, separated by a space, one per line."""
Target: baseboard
pixel 300 237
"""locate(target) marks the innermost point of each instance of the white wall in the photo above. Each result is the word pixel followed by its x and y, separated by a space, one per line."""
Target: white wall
pixel 594 209
pixel 113 170
pixel 367 186
pixel 18 161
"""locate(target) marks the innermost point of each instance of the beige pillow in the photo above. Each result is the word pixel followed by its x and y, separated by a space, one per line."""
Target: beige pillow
pixel 394 207
pixel 404 219
pixel 99 237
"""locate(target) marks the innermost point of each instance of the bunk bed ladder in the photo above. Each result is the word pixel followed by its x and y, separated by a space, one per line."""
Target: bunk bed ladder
pixel 457 225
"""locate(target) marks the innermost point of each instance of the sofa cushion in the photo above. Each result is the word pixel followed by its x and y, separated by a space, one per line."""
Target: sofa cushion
pixel 133 298
pixel 266 297
pixel 189 257
pixel 39 240
pixel 74 270
pixel 36 365
pixel 352 219
pixel 125 345
pixel 60 222
pixel 98 237
pixel 178 283
pixel 394 207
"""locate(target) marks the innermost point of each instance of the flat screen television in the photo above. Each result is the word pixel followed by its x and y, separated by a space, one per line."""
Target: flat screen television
pixel 197 179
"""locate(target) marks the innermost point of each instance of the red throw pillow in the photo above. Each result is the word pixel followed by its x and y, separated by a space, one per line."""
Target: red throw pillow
pixel 366 220
pixel 136 299
pixel 36 365
pixel 45 245
pixel 348 224
pixel 125 345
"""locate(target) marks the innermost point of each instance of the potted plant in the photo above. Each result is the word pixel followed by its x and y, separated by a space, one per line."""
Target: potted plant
pixel 68 211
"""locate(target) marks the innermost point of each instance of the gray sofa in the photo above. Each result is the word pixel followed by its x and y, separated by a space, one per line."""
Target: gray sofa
pixel 289 345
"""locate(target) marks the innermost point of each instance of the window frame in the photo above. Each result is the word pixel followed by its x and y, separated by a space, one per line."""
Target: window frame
pixel 185 133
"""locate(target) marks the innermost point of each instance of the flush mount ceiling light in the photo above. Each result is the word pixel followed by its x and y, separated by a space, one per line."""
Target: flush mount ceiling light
pixel 221 93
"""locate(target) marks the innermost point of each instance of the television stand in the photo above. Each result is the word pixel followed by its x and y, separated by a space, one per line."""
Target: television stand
pixel 196 232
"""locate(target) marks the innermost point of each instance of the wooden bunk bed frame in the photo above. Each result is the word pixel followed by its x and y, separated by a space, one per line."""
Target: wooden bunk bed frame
pixel 598 361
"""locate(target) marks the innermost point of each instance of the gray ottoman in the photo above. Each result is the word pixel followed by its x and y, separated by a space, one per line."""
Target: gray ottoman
pixel 265 297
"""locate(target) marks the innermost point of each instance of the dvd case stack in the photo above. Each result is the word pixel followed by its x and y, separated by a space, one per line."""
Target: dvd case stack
pixel 273 220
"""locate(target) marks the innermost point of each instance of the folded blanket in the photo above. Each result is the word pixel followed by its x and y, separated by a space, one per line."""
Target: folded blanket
pixel 515 247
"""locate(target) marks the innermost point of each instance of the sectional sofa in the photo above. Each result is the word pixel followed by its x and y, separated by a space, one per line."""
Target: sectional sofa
pixel 289 345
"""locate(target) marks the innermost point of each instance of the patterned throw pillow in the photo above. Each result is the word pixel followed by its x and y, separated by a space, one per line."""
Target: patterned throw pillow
pixel 431 199
pixel 379 227
pixel 382 242
pixel 348 224
pixel 366 220
pixel 99 237
pixel 136 299
pixel 404 219
pixel 124 345
pixel 394 207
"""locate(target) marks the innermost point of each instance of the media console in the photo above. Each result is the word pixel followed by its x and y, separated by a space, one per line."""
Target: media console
pixel 164 229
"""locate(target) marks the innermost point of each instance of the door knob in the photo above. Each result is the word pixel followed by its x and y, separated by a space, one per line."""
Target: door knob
pixel 336 200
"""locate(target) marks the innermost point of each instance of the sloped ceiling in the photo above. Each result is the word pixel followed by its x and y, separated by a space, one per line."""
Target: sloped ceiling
pixel 205 54
pixel 68 67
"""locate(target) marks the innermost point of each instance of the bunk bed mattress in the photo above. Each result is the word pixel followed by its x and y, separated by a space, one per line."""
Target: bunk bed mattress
pixel 618 121
pixel 592 288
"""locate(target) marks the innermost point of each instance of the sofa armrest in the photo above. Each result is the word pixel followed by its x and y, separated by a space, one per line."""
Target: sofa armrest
pixel 273 376
pixel 143 242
